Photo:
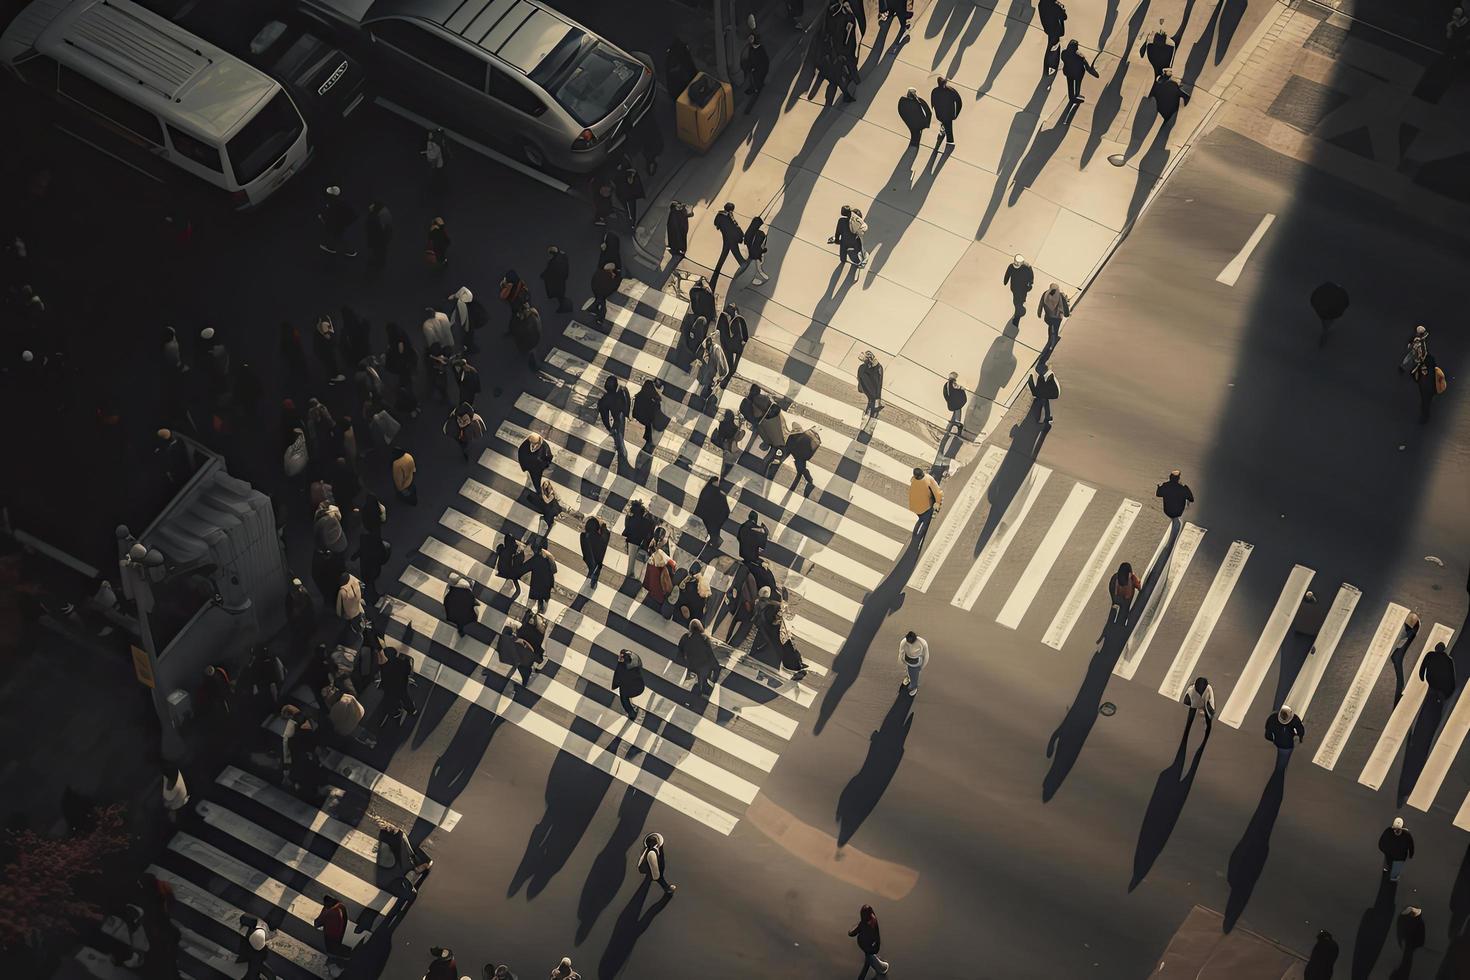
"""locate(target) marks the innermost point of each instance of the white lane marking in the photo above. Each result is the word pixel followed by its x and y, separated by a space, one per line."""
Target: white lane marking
pixel 1462 818
pixel 1159 599
pixel 1403 716
pixel 637 291
pixel 955 517
pixel 1351 708
pixel 1091 574
pixel 1268 645
pixel 1205 619
pixel 1307 679
pixel 390 790
pixel 1231 272
pixel 995 549
pixel 1437 766
pixel 500 158
pixel 299 812
pixel 1046 554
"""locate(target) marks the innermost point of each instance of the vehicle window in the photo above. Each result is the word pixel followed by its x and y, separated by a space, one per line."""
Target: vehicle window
pixel 196 149
pixel 514 94
pixel 133 118
pixel 263 139
pixel 436 52
pixel 38 70
pixel 595 83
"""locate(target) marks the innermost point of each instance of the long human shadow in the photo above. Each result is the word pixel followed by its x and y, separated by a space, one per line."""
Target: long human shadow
pixel 912 197
pixel 457 764
pixel 574 791
pixel 961 26
pixel 1418 745
pixel 1373 929
pixel 1199 52
pixel 1110 16
pixel 1008 479
pixel 1230 18
pixel 1040 152
pixel 1018 22
pixel 1110 100
pixel 610 867
pixel 887 598
pixel 1456 962
pixel 1294 652
pixel 860 796
pixel 632 923
pixel 1164 807
pixel 1248 859
pixel 995 369
pixel 1018 137
pixel 1183 23
pixel 1065 745
pixel 1150 170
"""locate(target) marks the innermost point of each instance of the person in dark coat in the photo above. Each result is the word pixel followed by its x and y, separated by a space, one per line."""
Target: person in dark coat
pixel 460 603
pixel 691 596
pixel 756 249
pixel 653 863
pixel 510 561
pixel 1074 67
pixel 554 277
pixel 1323 958
pixel 1020 277
pixel 1283 730
pixel 605 283
pixel 755 62
pixel 1167 95
pixel 870 941
pixel 543 578
pixel 533 630
pixel 1053 17
pixel 639 525
pixel 372 555
pixel 1158 50
pixel 379 231
pixel 466 378
pixel 593 541
pixel 534 457
pixel 678 228
pixel 629 189
pixel 732 237
pixel 614 406
pixel 734 334
pixel 947 104
pixel 516 653
pixel 1045 389
pixel 679 68
pixel 648 410
pixel 753 536
pixel 394 678
pixel 610 249
pixel 1410 935
pixel 801 446
pixel 702 299
pixel 955 398
pixel 697 654
pixel 628 680
pixel 713 509
pixel 1329 302
pixel 1437 670
pixel 439 242
pixel 916 115
pixel 1396 845
pixel 650 141
pixel 525 330
pixel 1427 383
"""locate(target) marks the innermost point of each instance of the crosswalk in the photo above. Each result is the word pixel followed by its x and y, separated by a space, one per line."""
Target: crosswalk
pixel 705 757
pixel 247 846
pixel 1081 535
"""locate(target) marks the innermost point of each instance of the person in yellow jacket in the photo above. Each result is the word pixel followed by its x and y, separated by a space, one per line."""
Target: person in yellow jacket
pixel 925 498
pixel 404 470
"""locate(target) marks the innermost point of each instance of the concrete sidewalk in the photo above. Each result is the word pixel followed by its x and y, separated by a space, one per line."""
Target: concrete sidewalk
pixel 1023 178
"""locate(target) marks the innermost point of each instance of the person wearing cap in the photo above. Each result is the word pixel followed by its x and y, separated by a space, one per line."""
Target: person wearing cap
pixel 678 228
pixel 554 277
pixel 1176 496
pixel 1053 307
pixel 870 382
pixel 1020 277
pixel 1437 670
pixel 913 654
pixel 1284 729
pixel 916 115
pixel 1396 845
pixel 925 497
pixel 1410 935
pixel 1167 95
pixel 955 398
pixel 1200 697
pixel 947 104
pixel 336 217
pixel 732 236
pixel 1407 632
pixel 534 456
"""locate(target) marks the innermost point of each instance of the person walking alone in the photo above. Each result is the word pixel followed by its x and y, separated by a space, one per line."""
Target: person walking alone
pixel 1407 632
pixel 678 229
pixel 870 383
pixel 1167 95
pixel 1122 587
pixel 1284 729
pixel 1020 277
pixel 654 863
pixel 1323 959
pixel 518 654
pixel 628 681
pixel 605 283
pixel 614 406
pixel 1329 301
pixel 1409 933
pixel 842 237
pixel 755 62
pixel 336 217
pixel 379 232
pixel 1396 845
pixel 436 251
pixel 1430 381
pixel 465 425
pixel 801 446
pixel 955 398
pixel 1200 697
pixel 404 471
pixel 1053 308
pixel 593 543
pixel 913 654
pixel 713 510
pixel 1045 388
pixel 697 654
pixel 925 497
pixel 870 941
pixel 916 115
pixel 648 411
pixel 1437 671
pixel 947 104
pixel 460 605
pixel 534 456
pixel 554 277
pixel 1075 67
pixel 732 236
pixel 1176 496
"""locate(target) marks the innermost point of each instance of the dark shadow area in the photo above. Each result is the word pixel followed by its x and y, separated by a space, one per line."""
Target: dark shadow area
pixel 958 24
pixel 1018 21
pixel 995 371
pixel 610 867
pixel 1418 745
pixel 1110 17
pixel 885 751
pixel 456 766
pixel 905 193
pixel 1248 859
pixel 1105 110
pixel 1292 658
pixel 1373 929
pixel 1164 807
pixel 1230 17
pixel 632 923
pixel 1150 167
pixel 1043 147
pixel 1018 137
pixel 574 791
pixel 1065 744
pixel 1009 477
pixel 1199 52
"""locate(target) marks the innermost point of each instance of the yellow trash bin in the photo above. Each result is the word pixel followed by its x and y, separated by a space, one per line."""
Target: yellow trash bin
pixel 703 111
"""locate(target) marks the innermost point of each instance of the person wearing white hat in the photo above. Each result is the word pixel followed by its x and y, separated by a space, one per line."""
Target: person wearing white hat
pixel 254 948
pixel 1397 846
pixel 1284 729
pixel 336 216
pixel 564 971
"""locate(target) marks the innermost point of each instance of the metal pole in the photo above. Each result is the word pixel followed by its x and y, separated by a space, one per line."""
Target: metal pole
pixel 722 66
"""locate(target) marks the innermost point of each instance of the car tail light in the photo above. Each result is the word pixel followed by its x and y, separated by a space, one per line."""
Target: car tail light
pixel 584 142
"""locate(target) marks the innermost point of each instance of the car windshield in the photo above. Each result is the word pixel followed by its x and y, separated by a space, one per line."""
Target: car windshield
pixel 594 82
pixel 263 139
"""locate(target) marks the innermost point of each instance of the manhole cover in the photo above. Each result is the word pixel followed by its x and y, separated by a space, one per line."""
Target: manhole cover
pixel 1107 709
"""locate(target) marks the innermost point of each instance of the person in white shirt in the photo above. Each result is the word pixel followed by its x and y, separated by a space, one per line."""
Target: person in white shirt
pixel 913 653
pixel 1200 697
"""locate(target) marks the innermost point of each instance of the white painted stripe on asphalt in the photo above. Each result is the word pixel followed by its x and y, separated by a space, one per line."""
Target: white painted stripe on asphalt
pixel 390 790
pixel 1437 766
pixel 941 540
pixel 1159 599
pixel 1392 737
pixel 299 812
pixel 509 163
pixel 1268 645
pixel 616 561
pixel 1046 554
pixel 337 879
pixel 1351 708
pixel 630 607
pixel 579 665
pixel 636 291
pixel 995 549
pixel 1181 672
pixel 1092 574
pixel 216 909
pixel 1231 273
pixel 1310 675
pixel 209 953
pixel 1462 818
pixel 560 738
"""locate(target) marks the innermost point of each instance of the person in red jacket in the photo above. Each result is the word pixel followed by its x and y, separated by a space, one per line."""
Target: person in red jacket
pixel 869 941
pixel 332 921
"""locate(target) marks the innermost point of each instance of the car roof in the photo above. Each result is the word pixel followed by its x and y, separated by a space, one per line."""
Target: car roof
pixel 521 33
pixel 157 64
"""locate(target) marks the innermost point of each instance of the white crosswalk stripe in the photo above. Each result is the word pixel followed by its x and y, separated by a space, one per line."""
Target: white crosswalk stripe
pixel 1159 599
pixel 1356 698
pixel 1267 647
pixel 1091 576
pixel 1446 747
pixel 1046 555
pixel 1404 713
pixel 954 518
pixel 1181 672
pixel 990 556
pixel 1310 675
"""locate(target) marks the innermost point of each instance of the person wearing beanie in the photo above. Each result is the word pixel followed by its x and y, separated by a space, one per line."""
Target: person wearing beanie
pixel 913 654
pixel 1284 729
pixel 1396 845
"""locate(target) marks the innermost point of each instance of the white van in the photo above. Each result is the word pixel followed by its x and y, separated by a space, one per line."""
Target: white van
pixel 162 90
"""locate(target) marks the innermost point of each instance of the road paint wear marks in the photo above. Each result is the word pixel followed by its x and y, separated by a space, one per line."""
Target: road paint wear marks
pixel 1364 680
pixel 1267 646
pixel 1392 738
pixel 1046 555
pixel 1159 600
pixel 954 519
pixel 1307 679
pixel 1437 766
pixel 1231 273
pixel 1092 574
pixel 1000 540
pixel 1181 672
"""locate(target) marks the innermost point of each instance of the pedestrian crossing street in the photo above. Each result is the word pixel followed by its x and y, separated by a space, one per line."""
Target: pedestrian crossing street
pixel 1080 536
pixel 248 846
pixel 830 548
